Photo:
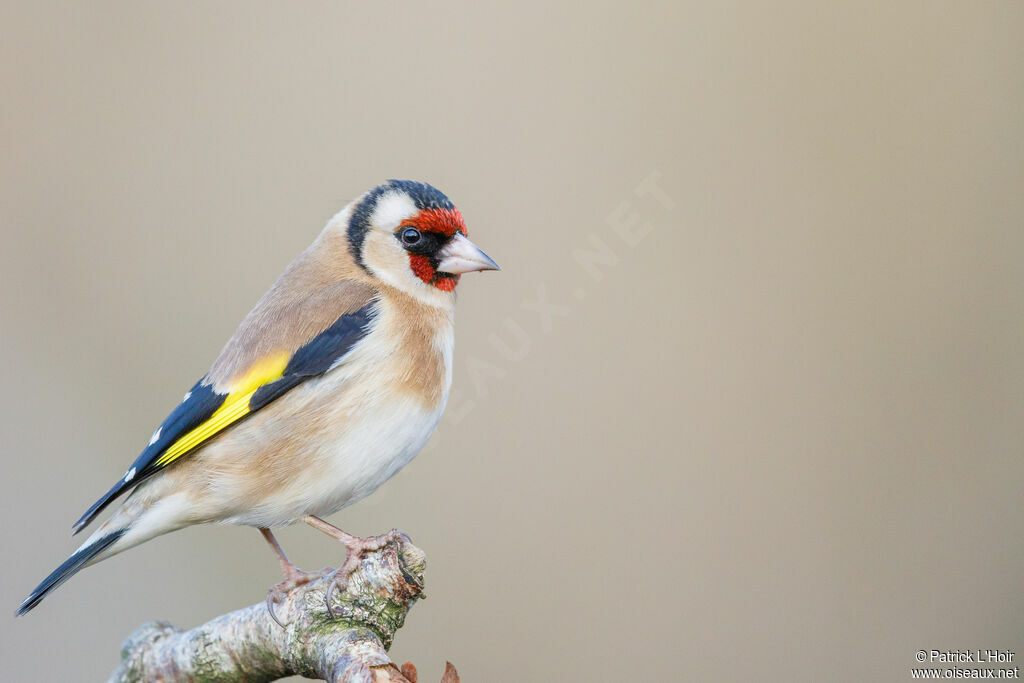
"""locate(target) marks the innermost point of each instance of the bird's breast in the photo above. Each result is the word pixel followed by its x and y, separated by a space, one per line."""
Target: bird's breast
pixel 336 438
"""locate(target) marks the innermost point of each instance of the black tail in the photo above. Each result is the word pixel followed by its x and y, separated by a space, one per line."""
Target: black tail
pixel 97 507
pixel 68 569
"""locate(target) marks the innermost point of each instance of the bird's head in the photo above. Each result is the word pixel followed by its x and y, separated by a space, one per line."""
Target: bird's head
pixel 410 235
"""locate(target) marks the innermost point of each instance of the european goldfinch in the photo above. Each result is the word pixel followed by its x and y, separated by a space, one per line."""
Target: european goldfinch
pixel 331 384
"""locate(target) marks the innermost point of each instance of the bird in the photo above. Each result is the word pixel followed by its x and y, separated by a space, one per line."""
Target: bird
pixel 331 384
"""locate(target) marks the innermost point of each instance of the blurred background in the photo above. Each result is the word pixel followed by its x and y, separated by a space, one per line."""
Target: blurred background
pixel 746 401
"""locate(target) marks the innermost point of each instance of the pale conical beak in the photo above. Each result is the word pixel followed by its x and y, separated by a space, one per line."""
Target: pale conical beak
pixel 462 256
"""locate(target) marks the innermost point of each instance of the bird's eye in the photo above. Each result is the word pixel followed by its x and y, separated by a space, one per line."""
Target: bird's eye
pixel 411 236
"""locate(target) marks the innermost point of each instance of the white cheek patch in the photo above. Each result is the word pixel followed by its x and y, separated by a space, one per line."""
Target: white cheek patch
pixel 387 260
pixel 392 208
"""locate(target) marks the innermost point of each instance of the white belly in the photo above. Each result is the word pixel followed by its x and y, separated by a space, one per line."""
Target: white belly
pixel 370 452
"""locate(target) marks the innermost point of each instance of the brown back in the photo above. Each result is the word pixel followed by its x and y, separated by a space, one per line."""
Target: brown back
pixel 316 289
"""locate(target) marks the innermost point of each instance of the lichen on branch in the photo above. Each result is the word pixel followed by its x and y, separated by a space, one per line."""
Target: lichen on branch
pixel 248 645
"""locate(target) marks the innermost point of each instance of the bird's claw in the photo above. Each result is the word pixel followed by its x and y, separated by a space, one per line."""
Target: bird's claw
pixel 357 547
pixel 337 583
pixel 274 596
pixel 279 591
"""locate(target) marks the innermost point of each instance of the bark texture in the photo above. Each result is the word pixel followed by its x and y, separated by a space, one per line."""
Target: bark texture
pixel 247 645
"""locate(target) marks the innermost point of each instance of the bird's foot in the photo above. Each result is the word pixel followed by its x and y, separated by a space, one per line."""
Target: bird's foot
pixel 357 547
pixel 293 578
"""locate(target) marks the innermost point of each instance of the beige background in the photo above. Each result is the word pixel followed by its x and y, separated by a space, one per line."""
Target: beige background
pixel 778 439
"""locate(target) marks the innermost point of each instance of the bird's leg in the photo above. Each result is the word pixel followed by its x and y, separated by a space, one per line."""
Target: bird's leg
pixel 356 548
pixel 293 576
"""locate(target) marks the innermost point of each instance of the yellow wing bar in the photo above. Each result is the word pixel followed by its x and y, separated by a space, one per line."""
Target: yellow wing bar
pixel 234 408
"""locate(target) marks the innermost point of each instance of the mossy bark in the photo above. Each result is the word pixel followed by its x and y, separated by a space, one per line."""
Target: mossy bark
pixel 248 645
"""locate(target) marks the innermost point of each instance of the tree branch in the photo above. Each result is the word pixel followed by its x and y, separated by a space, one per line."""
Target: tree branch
pixel 247 645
